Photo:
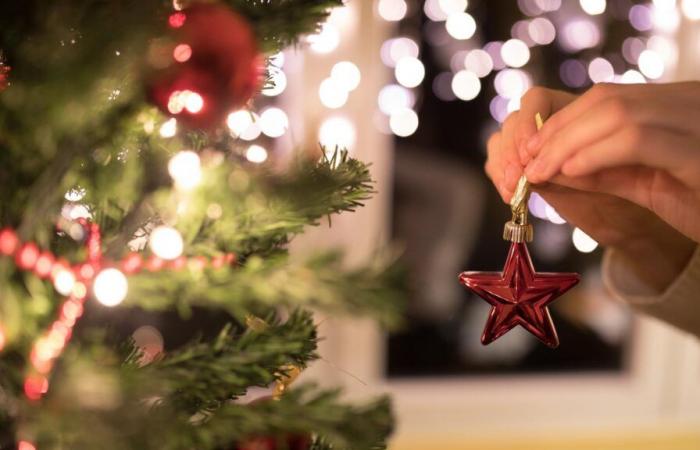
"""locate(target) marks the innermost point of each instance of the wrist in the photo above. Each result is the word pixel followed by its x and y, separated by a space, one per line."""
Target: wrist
pixel 657 260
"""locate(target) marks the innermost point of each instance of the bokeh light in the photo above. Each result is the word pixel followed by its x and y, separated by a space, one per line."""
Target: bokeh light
pixel 326 40
pixel 632 77
pixel 332 94
pixel 593 7
pixel 632 47
pixel 541 31
pixel 393 50
pixel 583 242
pixel 392 10
pixel 691 9
pixel 512 83
pixel 460 26
pixel 409 71
pixel 347 75
pixel 442 87
pixel 600 70
pixel 185 169
pixel 515 53
pixel 651 64
pixel 273 122
pixel 166 242
pixel 494 50
pixel 393 96
pixel 110 287
pixel 169 128
pixel 579 34
pixel 479 62
pixel 466 85
pixel 337 132
pixel 640 16
pixel 403 122
pixel 256 154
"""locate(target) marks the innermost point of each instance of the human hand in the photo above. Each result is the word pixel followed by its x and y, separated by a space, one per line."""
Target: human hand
pixel 637 142
pixel 655 250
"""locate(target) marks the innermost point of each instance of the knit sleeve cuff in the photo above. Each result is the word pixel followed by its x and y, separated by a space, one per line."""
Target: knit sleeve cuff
pixel 679 304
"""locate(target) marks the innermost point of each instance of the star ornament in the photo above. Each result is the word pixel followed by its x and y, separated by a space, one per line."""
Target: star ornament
pixel 519 296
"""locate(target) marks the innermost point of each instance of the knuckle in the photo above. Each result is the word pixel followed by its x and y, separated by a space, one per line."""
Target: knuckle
pixel 602 91
pixel 618 109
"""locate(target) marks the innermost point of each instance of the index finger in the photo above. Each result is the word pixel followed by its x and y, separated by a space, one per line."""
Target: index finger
pixel 537 100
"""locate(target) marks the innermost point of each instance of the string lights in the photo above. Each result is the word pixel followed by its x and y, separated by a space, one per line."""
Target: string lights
pixel 105 279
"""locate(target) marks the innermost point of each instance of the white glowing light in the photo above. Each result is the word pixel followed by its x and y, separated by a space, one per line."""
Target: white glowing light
pixel 579 34
pixel 553 216
pixel 185 169
pixel 665 19
pixel 403 122
pixel 434 11
pixel 632 76
pixel 166 242
pixel 541 31
pixel 460 26
pixel 548 5
pixel 347 75
pixel 64 281
pixel 75 195
pixel 479 62
pixel 651 64
pixel 583 242
pixel 691 9
pixel 194 102
pixel 256 154
pixel 274 122
pixel 600 70
pixel 332 94
pixel 393 97
pixel 466 85
pixel 169 128
pixel 110 287
pixel 394 49
pixel 515 53
pixel 409 71
pixel 665 47
pixel 326 41
pixel 279 83
pixel 512 83
pixel 238 121
pixel 593 7
pixel 452 6
pixel 337 132
pixel 392 10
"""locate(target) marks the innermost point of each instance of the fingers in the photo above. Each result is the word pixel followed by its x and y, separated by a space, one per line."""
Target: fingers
pixel 512 169
pixel 652 147
pixel 494 166
pixel 594 124
pixel 536 100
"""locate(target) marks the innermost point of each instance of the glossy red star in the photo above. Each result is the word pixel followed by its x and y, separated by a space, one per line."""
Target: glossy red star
pixel 519 296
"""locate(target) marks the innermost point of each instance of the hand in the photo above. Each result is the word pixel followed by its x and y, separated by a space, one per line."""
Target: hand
pixel 655 250
pixel 638 142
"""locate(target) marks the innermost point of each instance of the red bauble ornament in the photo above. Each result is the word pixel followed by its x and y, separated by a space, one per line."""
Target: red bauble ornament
pixel 27 256
pixel 289 442
pixel 211 68
pixel 519 296
pixel 8 241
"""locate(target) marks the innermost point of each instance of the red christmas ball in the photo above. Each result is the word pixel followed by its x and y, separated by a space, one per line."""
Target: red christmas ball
pixel 210 67
pixel 289 442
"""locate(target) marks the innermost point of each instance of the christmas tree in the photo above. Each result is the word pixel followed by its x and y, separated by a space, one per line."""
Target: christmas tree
pixel 122 187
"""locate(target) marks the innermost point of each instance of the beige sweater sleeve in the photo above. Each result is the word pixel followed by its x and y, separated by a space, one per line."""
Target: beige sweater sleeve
pixel 679 305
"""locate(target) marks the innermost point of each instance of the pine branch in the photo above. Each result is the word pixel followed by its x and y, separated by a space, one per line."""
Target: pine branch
pixel 279 23
pixel 320 282
pixel 302 410
pixel 202 376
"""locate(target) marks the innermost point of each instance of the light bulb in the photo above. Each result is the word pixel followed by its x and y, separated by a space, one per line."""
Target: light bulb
pixel 166 242
pixel 110 287
pixel 274 122
pixel 169 128
pixel 185 169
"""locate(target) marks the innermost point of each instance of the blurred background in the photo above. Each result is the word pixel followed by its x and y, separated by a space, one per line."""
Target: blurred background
pixel 416 87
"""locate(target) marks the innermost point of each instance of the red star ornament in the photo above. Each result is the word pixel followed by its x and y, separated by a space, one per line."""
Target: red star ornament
pixel 519 296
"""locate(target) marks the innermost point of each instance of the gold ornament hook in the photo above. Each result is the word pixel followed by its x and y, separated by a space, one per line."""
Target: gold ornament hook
pixel 518 229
